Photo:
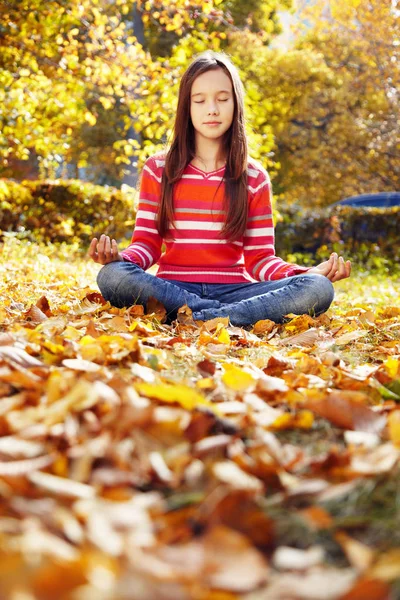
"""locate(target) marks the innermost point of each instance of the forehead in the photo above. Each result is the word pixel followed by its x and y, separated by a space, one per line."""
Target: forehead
pixel 212 81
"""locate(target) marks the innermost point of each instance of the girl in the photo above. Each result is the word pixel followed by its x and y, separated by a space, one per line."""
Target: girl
pixel 210 204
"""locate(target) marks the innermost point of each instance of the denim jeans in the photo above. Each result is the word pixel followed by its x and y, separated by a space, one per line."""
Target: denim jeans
pixel 124 283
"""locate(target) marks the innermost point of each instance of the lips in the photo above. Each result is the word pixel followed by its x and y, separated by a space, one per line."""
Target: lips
pixel 213 123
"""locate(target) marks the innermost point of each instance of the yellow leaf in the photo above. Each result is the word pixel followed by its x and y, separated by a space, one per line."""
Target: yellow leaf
pixel 206 383
pixel 394 427
pixel 53 348
pixel 224 337
pixel 237 379
pixel 392 366
pixel 87 339
pixel 71 333
pixel 184 395
pixel 302 420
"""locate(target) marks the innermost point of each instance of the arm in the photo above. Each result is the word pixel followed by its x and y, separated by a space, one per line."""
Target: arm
pixel 259 239
pixel 145 248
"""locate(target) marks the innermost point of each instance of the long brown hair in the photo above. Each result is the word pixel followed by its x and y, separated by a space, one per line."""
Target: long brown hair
pixel 182 149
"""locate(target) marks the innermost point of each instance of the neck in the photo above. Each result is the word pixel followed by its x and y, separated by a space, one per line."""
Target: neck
pixel 209 153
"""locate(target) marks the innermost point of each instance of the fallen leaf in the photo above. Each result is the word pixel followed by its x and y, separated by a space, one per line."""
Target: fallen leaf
pixel 286 558
pixel 348 409
pixel 184 395
pixel 236 379
pixel 61 486
pixel 359 555
pixel 19 356
pixel 79 364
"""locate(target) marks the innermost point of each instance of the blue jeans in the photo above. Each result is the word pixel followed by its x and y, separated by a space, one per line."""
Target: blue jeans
pixel 124 283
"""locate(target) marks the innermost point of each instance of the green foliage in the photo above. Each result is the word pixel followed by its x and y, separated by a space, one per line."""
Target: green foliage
pixel 66 211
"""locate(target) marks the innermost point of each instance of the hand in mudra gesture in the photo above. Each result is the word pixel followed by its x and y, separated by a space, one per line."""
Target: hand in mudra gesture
pixel 335 268
pixel 104 250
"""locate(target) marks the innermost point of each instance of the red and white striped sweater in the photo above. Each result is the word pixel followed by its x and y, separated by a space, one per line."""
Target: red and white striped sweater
pixel 194 250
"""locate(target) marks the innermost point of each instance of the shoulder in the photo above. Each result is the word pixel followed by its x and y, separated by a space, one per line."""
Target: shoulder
pixel 257 176
pixel 154 166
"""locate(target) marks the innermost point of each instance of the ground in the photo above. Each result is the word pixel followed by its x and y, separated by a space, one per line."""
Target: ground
pixel 145 461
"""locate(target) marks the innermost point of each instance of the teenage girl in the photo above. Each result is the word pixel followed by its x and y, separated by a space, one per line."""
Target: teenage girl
pixel 210 204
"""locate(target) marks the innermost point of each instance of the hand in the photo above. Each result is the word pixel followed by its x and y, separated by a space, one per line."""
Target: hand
pixel 104 251
pixel 334 268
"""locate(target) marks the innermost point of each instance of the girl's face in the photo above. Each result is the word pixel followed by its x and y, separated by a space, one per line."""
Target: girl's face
pixel 212 104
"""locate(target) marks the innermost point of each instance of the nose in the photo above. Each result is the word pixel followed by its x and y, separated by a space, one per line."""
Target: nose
pixel 213 108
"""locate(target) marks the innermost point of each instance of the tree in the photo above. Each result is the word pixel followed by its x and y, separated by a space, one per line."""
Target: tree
pixel 81 86
pixel 338 133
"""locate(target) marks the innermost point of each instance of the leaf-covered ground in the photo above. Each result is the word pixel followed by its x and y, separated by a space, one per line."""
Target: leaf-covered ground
pixel 145 461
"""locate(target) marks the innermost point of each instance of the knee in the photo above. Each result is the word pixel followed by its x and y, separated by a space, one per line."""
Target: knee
pixel 324 290
pixel 108 278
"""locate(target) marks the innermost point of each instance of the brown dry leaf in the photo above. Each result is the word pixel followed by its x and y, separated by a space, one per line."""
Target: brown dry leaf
pixel 212 324
pixel 317 517
pixel 136 310
pixel 184 316
pixel 222 559
pixel 350 336
pixel 206 367
pixel 263 326
pixel 117 325
pixel 276 365
pixel 387 567
pixel 44 306
pixel 305 338
pixel 156 308
pixel 349 410
pixel 34 315
pixel 389 312
pixel 95 297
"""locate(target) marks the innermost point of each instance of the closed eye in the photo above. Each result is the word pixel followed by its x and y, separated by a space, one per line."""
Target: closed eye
pixel 202 101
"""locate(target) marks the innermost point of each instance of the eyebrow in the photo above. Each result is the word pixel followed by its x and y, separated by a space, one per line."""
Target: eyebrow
pixel 220 92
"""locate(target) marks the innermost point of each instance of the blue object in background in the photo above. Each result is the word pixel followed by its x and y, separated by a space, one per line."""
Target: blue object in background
pixel 379 200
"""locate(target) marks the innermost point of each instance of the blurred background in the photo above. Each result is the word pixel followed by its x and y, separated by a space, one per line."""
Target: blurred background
pixel 88 90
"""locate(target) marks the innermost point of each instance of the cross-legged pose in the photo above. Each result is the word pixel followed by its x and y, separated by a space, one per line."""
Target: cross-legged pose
pixel 205 218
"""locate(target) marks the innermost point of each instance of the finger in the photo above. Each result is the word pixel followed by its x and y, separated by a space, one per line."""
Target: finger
pixel 343 270
pixel 114 249
pixel 92 248
pixel 100 245
pixel 333 266
pixel 107 247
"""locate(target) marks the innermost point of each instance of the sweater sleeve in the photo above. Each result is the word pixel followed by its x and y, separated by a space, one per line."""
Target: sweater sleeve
pixel 259 238
pixel 145 247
